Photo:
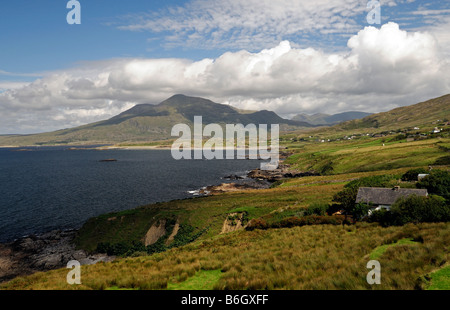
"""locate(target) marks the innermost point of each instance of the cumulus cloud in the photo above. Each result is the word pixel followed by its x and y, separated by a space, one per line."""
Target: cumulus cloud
pixel 382 68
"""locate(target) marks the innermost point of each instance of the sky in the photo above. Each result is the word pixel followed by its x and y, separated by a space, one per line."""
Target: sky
pixel 286 56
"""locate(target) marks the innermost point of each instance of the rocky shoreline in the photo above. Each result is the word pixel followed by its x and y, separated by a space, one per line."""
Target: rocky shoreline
pixel 257 179
pixel 52 250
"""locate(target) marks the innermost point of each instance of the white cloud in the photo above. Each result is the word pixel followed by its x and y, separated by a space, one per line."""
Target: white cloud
pixel 382 68
pixel 250 24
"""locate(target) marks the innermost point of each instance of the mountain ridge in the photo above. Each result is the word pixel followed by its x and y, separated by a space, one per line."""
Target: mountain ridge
pixel 324 119
pixel 147 122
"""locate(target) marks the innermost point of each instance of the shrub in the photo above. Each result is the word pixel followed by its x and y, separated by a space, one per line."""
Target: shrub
pixel 437 182
pixel 382 217
pixel 309 220
pixel 257 224
pixel 333 208
pixel 411 175
pixel 417 209
pixel 444 160
pixel 317 209
pixel 359 211
pixel 373 181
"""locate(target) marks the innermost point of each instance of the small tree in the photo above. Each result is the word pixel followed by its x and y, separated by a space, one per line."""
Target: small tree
pixel 358 211
pixel 437 182
pixel 418 209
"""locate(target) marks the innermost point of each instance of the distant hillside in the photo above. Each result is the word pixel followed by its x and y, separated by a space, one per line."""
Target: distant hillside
pixel 425 116
pixel 428 114
pixel 147 122
pixel 327 119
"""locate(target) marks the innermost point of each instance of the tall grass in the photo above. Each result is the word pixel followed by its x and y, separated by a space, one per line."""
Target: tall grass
pixel 309 257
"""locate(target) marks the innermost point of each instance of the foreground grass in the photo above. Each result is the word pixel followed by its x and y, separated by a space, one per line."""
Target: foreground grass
pixel 202 280
pixel 440 279
pixel 309 257
pixel 379 251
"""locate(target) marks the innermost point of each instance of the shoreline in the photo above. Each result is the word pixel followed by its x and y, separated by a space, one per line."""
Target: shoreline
pixel 44 252
pixel 53 250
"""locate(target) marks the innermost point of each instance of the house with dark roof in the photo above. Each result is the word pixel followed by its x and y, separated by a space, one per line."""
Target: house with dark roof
pixel 384 198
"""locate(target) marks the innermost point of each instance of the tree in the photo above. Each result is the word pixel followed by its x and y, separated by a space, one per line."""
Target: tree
pixel 437 182
pixel 418 209
pixel 359 211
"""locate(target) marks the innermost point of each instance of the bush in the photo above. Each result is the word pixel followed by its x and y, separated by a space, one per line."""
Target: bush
pixel 411 175
pixel 309 220
pixel 413 209
pixel 333 208
pixel 382 217
pixel 294 221
pixel 257 224
pixel 373 181
pixel 317 209
pixel 417 209
pixel 359 211
pixel 444 160
pixel 437 183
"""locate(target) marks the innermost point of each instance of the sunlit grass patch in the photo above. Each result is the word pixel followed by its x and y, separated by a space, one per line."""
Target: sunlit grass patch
pixel 379 251
pixel 440 279
pixel 202 280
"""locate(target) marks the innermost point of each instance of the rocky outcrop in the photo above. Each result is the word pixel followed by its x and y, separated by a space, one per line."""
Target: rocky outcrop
pixel 234 187
pixel 233 177
pixel 175 230
pixel 155 232
pixel 44 252
pixel 283 171
pixel 233 222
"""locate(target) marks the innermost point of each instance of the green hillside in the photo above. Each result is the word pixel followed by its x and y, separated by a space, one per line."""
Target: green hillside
pixel 425 116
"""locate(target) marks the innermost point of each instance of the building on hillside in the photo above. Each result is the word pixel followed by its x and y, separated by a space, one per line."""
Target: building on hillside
pixel 420 176
pixel 384 198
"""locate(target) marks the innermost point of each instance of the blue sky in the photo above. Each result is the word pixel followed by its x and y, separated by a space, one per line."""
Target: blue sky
pixel 37 38
pixel 201 47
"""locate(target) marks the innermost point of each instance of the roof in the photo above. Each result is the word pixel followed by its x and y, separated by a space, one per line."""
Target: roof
pixel 386 196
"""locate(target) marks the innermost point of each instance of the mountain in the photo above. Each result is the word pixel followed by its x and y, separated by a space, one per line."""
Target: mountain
pixel 327 119
pixel 147 122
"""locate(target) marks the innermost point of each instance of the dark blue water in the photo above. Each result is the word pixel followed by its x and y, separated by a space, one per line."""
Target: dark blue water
pixel 56 188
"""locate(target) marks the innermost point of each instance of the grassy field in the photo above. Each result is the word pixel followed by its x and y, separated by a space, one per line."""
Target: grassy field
pixel 367 154
pixel 309 257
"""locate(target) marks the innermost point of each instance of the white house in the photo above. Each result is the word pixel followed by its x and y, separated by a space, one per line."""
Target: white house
pixel 383 198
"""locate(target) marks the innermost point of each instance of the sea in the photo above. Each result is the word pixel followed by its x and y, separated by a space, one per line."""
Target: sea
pixel 48 188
